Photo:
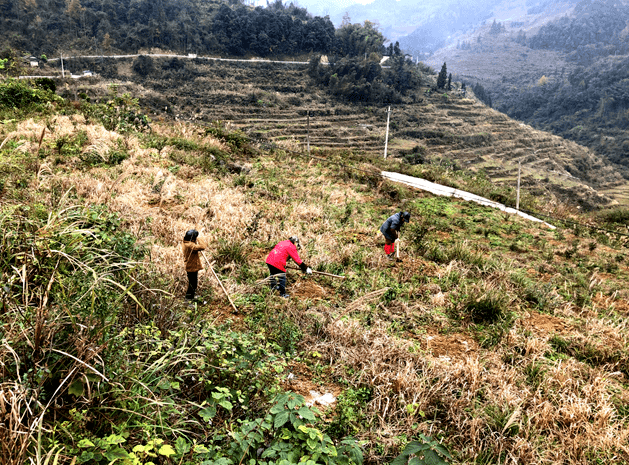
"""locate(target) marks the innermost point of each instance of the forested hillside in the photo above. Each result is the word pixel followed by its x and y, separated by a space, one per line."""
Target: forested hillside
pixel 588 106
pixel 590 103
pixel 570 76
pixel 595 29
pixel 184 26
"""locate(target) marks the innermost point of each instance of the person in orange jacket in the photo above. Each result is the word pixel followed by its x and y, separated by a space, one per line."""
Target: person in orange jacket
pixel 191 248
pixel 276 261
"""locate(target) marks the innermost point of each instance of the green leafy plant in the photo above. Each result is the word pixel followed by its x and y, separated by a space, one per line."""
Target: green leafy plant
pixel 426 451
pixel 73 257
pixel 350 411
pixel 287 435
pixel 119 113
pixel 21 97
pixel 109 450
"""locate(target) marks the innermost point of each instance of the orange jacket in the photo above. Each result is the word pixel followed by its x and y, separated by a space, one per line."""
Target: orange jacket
pixel 191 254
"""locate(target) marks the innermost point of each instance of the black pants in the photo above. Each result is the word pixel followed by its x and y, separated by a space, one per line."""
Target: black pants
pixel 193 281
pixel 277 282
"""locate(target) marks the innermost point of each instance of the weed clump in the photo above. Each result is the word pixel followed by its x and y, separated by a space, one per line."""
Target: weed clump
pixel 488 312
pixel 489 308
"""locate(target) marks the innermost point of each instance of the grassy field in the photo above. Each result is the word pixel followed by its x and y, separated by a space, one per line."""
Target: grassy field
pixel 499 339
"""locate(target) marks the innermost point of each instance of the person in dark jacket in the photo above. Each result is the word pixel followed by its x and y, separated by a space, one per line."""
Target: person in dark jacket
pixel 191 248
pixel 390 229
pixel 276 261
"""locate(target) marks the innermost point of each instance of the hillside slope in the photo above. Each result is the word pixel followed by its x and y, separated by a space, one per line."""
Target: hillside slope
pixel 494 336
pixel 270 102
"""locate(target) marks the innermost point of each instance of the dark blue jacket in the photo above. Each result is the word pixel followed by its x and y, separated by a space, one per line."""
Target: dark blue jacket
pixel 393 222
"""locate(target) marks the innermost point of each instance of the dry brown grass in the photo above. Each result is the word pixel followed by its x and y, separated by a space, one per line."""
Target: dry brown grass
pixel 479 402
pixel 568 416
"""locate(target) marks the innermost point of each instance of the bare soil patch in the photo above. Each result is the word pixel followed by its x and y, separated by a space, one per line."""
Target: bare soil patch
pixel 621 305
pixel 310 290
pixel 220 314
pixel 456 345
pixel 408 267
pixel 300 382
pixel 541 323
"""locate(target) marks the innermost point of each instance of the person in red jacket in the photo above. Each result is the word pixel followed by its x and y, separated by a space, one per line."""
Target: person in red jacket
pixel 276 261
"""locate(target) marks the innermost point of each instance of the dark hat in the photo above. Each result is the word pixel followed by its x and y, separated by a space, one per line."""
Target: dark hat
pixel 406 216
pixel 191 235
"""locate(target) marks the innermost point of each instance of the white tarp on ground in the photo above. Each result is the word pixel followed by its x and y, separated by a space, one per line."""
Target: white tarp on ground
pixel 438 189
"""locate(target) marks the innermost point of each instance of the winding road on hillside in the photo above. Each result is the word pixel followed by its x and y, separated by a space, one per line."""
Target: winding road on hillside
pixel 188 57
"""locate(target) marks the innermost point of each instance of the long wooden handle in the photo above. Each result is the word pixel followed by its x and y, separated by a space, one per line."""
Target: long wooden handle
pixel 219 281
pixel 319 272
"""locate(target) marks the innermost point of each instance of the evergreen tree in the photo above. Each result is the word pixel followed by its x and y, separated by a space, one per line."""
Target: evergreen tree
pixel 496 28
pixel 443 77
pixel 449 86
pixel 481 94
pixel 396 49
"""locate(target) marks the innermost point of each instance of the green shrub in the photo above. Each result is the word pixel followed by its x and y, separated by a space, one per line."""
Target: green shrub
pixel 46 84
pixel 21 97
pixel 615 216
pixel 80 268
pixel 350 413
pixel 113 156
pixel 235 139
pixel 119 113
pixel 71 144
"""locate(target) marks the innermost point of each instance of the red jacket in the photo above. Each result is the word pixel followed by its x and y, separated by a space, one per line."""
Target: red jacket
pixel 280 253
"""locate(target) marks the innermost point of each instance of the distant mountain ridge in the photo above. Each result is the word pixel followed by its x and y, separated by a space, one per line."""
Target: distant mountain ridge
pixel 568 75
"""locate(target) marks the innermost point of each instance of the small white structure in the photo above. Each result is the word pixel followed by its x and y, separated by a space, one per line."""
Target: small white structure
pixel 34 62
pixel 88 73
pixel 384 60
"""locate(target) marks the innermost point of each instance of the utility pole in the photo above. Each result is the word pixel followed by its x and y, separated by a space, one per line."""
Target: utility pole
pixel 386 139
pixel 517 199
pixel 63 74
pixel 308 131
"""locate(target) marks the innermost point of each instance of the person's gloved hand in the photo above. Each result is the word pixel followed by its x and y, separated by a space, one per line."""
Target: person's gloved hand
pixel 308 270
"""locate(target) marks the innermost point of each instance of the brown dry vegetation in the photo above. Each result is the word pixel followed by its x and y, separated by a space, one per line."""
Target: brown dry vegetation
pixel 542 379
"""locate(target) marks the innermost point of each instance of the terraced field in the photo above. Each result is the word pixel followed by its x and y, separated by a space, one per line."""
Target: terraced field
pixel 271 103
